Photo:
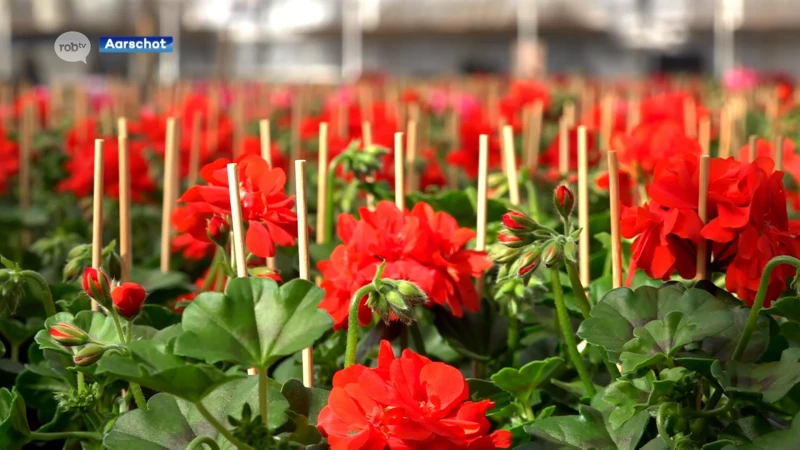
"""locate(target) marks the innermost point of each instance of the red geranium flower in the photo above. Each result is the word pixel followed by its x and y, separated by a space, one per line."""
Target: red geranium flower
pixel 9 154
pixel 81 171
pixel 791 162
pixel 651 142
pixel 408 402
pixel 466 157
pixel 192 248
pixel 265 205
pixel 552 156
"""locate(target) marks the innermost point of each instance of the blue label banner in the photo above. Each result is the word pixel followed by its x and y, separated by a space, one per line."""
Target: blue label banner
pixel 136 44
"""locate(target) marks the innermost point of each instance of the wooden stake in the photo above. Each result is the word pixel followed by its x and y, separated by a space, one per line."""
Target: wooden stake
pixel 702 207
pixel 480 237
pixel 411 156
pixel 322 182
pixel 194 151
pixel 616 240
pixel 237 223
pixel 25 151
pixel 453 131
pixel 97 210
pixel 778 153
pixel 534 139
pixel 569 114
pixel 170 184
pixel 606 121
pixel 704 135
pixel 266 140
pixel 563 147
pixel 297 116
pixel 125 238
pixel 399 175
pixel 511 164
pixel 5 103
pixel 725 133
pixel 751 148
pixel 304 260
pixel 583 206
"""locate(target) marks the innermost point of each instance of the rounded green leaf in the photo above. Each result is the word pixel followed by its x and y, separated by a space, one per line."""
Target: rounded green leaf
pixel 771 381
pixel 254 323
pixel 14 429
pixel 523 382
pixel 585 431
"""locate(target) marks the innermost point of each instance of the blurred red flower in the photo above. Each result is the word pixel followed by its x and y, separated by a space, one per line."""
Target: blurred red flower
pixel 408 402
pixel 9 155
pixel 552 156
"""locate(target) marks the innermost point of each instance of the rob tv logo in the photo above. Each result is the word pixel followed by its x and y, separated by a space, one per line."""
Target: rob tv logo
pixel 73 47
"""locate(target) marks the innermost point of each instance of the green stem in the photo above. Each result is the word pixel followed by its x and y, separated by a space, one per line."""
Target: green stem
pixel 352 324
pixel 15 352
pixel 47 299
pixel 513 333
pixel 661 425
pixel 569 338
pixel 211 276
pixel 129 330
pixel 527 411
pixel 262 395
pixel 585 305
pixel 81 382
pixel 138 396
pixel 419 341
pixel 533 201
pixel 761 296
pixel 713 412
pixel 222 430
pixel 45 436
pixel 200 440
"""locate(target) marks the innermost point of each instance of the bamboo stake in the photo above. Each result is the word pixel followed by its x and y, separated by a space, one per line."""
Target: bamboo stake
pixel 266 140
pixel 194 151
pixel 702 207
pixel 399 176
pixel 704 135
pixel 569 114
pixel 5 102
pixel 366 133
pixel 583 206
pixel 690 117
pixel 606 121
pixel 411 156
pixel 725 133
pixel 751 148
pixel 342 119
pixel 480 238
pixel 238 123
pixel 25 150
pixel 778 153
pixel 304 264
pixel 511 164
pixel 170 177
pixel 297 116
pixel 535 136
pixel 616 240
pixel 106 121
pixel 125 240
pixel 322 182
pixel 453 130
pixel 97 210
pixel 563 147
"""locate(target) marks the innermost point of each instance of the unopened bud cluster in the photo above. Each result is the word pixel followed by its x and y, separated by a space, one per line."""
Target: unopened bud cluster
pixel 69 335
pixel 80 257
pixel 127 299
pixel 395 299
pixel 524 245
pixel 363 162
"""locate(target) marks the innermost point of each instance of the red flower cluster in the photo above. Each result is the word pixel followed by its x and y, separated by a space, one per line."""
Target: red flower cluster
pixel 651 142
pixel 466 157
pixel 791 162
pixel 9 154
pixel 406 403
pixel 748 223
pixel 552 156
pixel 420 245
pixel 265 206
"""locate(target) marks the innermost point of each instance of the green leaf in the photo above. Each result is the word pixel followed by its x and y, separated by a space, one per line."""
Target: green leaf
pixel 770 381
pixel 746 429
pixel 523 382
pixel 722 345
pixel 305 401
pixel 788 307
pixel 458 204
pixel 628 435
pixel 100 328
pixel 303 432
pixel 585 431
pixel 155 280
pixel 480 336
pixel 172 423
pixel 157 316
pixel 14 429
pixel 777 439
pixel 255 323
pixel 18 332
pixel 151 365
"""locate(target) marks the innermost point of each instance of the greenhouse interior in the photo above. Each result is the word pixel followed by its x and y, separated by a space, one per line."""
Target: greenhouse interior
pixel 399 224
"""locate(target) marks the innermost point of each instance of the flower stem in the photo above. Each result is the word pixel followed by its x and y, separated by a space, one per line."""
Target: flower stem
pixel 15 352
pixel 219 427
pixel 47 296
pixel 262 395
pixel 46 436
pixel 81 382
pixel 661 424
pixel 352 323
pixel 138 395
pixel 211 276
pixel 566 329
pixel 533 201
pixel 761 296
pixel 200 440
pixel 585 305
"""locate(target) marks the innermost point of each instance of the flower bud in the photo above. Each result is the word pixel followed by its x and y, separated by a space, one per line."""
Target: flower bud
pixel 128 299
pixel 517 221
pixel 411 292
pixel 570 251
pixel 564 201
pixel 68 335
pixel 73 269
pixel 89 355
pixel 97 286
pixel 113 265
pixel 529 261
pixel 218 231
pixel 552 254
pixel 512 240
pixel 502 254
pixel 79 251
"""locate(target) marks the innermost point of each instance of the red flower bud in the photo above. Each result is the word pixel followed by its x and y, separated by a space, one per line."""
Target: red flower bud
pixel 97 286
pixel 89 355
pixel 529 261
pixel 68 335
pixel 517 221
pixel 564 200
pixel 552 254
pixel 128 299
pixel 218 231
pixel 510 240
